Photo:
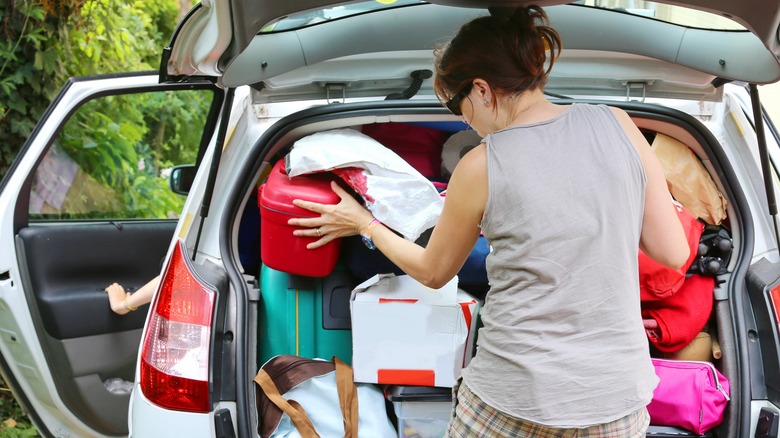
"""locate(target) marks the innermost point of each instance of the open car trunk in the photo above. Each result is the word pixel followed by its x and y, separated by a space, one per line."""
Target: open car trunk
pixel 696 127
pixel 680 75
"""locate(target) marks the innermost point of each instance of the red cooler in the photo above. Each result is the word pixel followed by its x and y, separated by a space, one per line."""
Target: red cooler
pixel 281 250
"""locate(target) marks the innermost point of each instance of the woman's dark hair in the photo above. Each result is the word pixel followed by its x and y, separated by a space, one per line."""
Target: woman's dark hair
pixel 508 51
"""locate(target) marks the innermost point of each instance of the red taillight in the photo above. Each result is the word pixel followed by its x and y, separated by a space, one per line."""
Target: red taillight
pixel 774 296
pixel 175 354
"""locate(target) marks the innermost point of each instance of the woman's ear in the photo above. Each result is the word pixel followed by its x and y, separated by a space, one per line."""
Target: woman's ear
pixel 483 91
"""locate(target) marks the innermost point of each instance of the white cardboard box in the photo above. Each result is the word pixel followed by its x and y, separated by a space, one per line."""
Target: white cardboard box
pixel 405 333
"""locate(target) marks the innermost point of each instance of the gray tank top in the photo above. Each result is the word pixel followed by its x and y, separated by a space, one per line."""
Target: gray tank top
pixel 563 343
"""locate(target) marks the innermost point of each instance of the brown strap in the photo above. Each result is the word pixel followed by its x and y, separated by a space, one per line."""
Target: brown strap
pixel 292 408
pixel 348 397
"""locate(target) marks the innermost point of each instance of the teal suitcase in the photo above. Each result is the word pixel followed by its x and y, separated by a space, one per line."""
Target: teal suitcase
pixel 305 316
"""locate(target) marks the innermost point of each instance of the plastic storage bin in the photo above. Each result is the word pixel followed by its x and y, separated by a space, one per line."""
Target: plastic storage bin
pixel 422 411
pixel 279 249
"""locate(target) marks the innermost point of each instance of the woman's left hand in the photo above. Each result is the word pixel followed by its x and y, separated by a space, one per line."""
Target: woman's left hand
pixel 347 218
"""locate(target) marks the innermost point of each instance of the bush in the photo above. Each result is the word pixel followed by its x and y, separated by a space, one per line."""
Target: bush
pixel 37 37
pixel 13 421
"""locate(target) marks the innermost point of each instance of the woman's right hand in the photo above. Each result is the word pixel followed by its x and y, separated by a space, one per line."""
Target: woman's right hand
pixel 347 218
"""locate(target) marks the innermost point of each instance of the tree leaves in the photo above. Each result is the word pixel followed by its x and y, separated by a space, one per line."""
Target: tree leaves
pixel 44 42
pixel 13 421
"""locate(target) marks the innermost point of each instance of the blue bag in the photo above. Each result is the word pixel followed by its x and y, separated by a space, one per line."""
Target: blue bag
pixel 472 277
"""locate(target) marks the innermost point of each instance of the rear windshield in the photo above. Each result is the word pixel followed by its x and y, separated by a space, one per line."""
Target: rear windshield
pixel 669 13
pixel 303 19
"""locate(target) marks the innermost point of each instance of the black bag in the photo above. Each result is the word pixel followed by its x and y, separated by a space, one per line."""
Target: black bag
pixel 365 263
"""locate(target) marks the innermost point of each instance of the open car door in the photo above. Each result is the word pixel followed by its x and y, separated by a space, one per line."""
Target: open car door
pixel 86 204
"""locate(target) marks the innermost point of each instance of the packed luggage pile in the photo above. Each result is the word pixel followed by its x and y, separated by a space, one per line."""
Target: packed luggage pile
pixel 402 348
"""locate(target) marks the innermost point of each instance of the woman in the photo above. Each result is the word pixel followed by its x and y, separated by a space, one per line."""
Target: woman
pixel 564 195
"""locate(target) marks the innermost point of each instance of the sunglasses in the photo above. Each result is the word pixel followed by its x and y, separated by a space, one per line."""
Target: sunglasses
pixel 454 104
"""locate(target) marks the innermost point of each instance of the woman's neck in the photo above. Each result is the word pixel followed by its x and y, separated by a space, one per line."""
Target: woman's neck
pixel 525 108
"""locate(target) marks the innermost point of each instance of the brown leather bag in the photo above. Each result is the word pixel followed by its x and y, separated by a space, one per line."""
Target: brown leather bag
pixel 283 373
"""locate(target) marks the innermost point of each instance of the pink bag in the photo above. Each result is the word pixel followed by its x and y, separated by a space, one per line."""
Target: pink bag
pixel 692 395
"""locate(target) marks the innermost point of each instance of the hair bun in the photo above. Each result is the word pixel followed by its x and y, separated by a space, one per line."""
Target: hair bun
pixel 523 16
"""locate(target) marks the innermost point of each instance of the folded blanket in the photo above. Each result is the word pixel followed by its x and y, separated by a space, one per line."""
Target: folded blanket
pixel 680 317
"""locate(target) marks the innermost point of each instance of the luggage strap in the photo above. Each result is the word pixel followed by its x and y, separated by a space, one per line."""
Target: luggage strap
pixel 348 401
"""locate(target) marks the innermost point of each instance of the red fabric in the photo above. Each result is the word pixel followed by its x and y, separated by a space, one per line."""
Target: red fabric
pixel 419 146
pixel 657 281
pixel 355 177
pixel 466 308
pixel 682 316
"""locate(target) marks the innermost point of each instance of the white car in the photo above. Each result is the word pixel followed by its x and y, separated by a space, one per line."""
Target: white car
pixel 260 75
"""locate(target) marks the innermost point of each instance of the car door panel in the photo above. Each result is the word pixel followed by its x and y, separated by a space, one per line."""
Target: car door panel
pixel 762 283
pixel 69 291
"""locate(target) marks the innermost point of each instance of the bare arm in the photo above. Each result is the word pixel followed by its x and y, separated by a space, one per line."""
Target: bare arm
pixel 122 302
pixel 455 233
pixel 663 238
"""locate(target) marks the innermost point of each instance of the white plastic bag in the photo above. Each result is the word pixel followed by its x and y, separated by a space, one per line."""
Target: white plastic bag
pixel 397 194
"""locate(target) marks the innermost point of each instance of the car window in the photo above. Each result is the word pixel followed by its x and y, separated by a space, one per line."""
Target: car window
pixel 112 158
pixel 669 13
pixel 308 18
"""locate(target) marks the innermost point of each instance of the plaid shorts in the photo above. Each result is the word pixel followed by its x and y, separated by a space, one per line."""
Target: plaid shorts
pixel 471 417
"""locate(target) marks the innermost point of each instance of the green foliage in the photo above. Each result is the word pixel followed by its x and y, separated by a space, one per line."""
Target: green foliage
pixel 123 142
pixel 96 141
pixel 13 421
pixel 39 42
pixel 171 118
pixel 113 36
pixel 44 42
pixel 24 88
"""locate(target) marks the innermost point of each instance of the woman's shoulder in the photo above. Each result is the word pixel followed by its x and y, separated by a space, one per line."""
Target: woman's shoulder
pixel 474 160
pixel 604 110
pixel 622 117
pixel 598 108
